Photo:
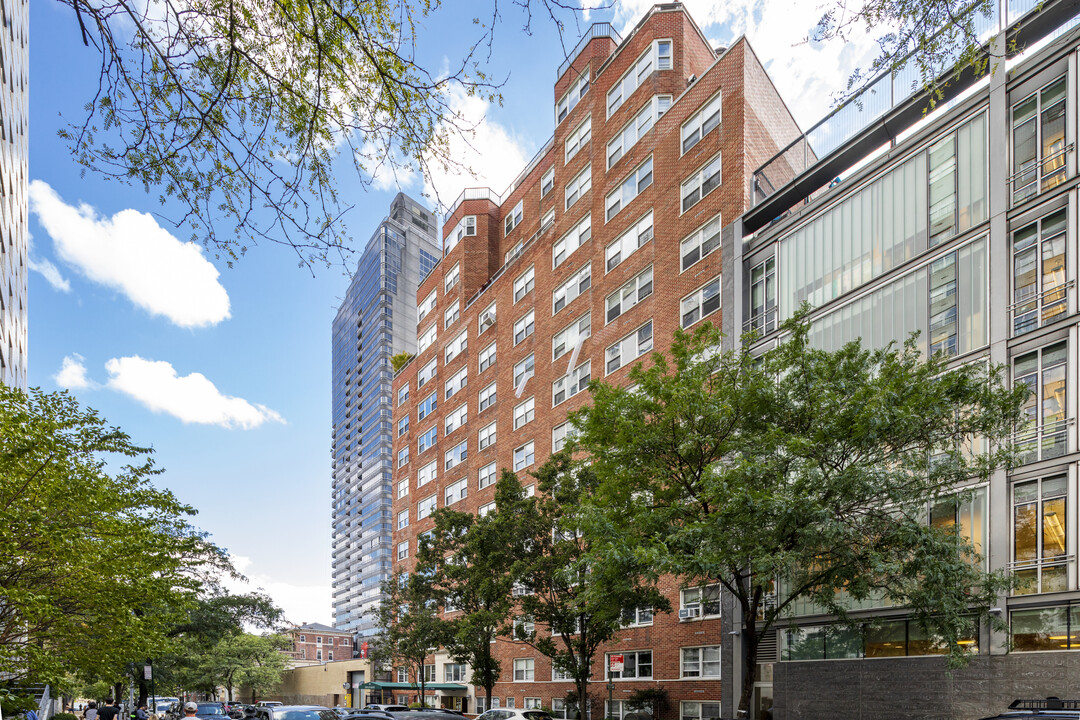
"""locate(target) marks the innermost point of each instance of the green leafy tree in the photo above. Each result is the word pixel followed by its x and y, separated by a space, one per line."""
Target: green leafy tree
pixel 801 475
pixel 247 660
pixel 96 564
pixel 468 560
pixel 576 605
pixel 410 623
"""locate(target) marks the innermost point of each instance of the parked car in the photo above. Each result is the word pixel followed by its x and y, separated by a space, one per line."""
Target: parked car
pixel 375 706
pixel 295 712
pixel 211 711
pixel 268 703
pixel 514 714
pixel 1051 708
pixel 369 714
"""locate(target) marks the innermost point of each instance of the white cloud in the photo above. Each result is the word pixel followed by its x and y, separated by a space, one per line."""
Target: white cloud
pixel 72 374
pixel 133 254
pixel 50 273
pixel 191 398
pixel 301 603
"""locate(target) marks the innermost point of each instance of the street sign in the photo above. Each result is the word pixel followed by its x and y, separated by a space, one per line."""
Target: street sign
pixel 615 663
pixel 147 672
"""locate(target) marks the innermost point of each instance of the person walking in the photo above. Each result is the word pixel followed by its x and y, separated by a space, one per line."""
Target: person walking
pixel 111 711
pixel 91 712
pixel 190 709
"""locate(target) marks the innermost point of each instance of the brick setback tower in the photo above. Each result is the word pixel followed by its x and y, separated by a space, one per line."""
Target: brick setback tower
pixel 606 243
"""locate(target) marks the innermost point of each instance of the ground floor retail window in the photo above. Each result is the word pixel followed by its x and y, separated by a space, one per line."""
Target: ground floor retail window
pixel 1056 628
pixel 891 638
pixel 699 710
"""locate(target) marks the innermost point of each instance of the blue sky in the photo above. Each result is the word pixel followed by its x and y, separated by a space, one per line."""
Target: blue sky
pixel 226 372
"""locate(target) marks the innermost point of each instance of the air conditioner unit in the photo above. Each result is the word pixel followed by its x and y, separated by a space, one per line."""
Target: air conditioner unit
pixel 690 611
pixel 487 319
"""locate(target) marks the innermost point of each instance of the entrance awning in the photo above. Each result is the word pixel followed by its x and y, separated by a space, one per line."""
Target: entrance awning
pixel 412 686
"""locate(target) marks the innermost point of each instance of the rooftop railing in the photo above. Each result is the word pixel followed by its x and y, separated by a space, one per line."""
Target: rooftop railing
pixel 598 30
pixel 472 194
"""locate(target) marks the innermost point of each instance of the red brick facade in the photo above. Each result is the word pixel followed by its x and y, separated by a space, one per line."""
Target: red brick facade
pixel 320 644
pixel 746 137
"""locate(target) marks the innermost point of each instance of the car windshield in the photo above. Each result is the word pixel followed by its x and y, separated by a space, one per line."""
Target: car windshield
pixel 536 715
pixel 210 709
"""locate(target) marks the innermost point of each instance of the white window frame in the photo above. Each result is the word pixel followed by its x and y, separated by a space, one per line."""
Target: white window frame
pixel 487 476
pixel 456 492
pixel 524 670
pixel 621 674
pixel 403 393
pixel 456 419
pixel 568 338
pixel 574 286
pixel 701 603
pixel 547 181
pixel 427 373
pixel 486 436
pixel 524 412
pixel 456 346
pixel 485 509
pixel 524 369
pixel 636 182
pixel 427 406
pixel 637 127
pixel 456 455
pixel 698 297
pixel 630 347
pixel 695 240
pixel 570 98
pixel 577 139
pixel 629 242
pixel 696 668
pixel 524 327
pixel 560 434
pixel 524 283
pixel 488 313
pixel 647 63
pixel 403 519
pixel 427 474
pixel 427 439
pixel 427 338
pixel 701 183
pixel 452 278
pixel 403 426
pixel 426 306
pixel 486 397
pixel 634 291
pixel 565 246
pixel 547 221
pixel 685 714
pixel 403 550
pixel 571 384
pixel 455 384
pixel 578 186
pixel 486 358
pixel 524 456
pixel 403 487
pixel 513 218
pixel 701 123
pixel 403 456
pixel 452 314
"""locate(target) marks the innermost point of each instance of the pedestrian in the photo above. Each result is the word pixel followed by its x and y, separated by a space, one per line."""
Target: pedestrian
pixel 190 709
pixel 111 710
pixel 91 712
pixel 140 713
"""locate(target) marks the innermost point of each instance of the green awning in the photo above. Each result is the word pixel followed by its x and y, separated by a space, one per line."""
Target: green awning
pixel 411 686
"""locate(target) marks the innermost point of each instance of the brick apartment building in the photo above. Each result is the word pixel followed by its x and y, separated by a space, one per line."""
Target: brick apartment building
pixel 316 643
pixel 605 244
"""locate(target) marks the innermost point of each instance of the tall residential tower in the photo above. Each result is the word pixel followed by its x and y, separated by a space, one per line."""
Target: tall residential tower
pixel 376 321
pixel 14 237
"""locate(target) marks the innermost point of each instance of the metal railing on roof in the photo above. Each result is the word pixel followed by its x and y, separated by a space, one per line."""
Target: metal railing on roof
pixel 472 194
pixel 598 30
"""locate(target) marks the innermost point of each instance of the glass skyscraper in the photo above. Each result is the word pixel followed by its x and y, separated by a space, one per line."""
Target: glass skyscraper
pixel 376 321
pixel 14 237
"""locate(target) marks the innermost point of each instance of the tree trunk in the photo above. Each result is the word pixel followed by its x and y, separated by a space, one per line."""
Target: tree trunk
pixel 750 650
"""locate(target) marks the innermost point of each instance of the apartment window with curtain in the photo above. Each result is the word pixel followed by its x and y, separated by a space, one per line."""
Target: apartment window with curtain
pixel 1038 130
pixel 1043 432
pixel 1039 285
pixel 1040 528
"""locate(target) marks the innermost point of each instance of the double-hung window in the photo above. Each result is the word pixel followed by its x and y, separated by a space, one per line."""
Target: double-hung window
pixel 1041 534
pixel 657 57
pixel 456 455
pixel 577 139
pixel 427 439
pixel 637 616
pixel 456 346
pixel 547 221
pixel 701 303
pixel 702 242
pixel 456 491
pixel 486 319
pixel 694 710
pixel 629 242
pixel 523 370
pixel 569 101
pixel 700 662
pixel 403 426
pixel 524 327
pixel 634 291
pixel 638 126
pixel 456 419
pixel 1043 433
pixel 487 476
pixel 701 123
pixel 523 285
pixel 486 398
pixel 425 507
pixel 1039 285
pixel 403 519
pixel 763 296
pixel 523 670
pixel 513 218
pixel 547 181
pixel 403 550
pixel 560 434
pixel 486 437
pixel 701 183
pixel 629 348
pixel 426 338
pixel 571 384
pixel 452 277
pixel 636 664
pixel 487 357
pixel 633 185
pixel 403 456
pixel 457 382
pixel 427 373
pixel 427 473
pixel 571 336
pixel 403 487
pixel 466 227
pixel 427 406
pixel 454 672
pixel 699 602
pixel 524 456
pixel 1039 151
pixel 524 413
pixel 577 187
pixel 425 307
pixel 452 314
pixel 565 294
pixel 571 241
pixel 403 393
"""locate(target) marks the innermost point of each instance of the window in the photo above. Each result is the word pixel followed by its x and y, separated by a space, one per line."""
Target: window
pixel 509 701
pixel 456 491
pixel 457 382
pixel 487 476
pixel 561 709
pixel 403 519
pixel 629 242
pixel 403 426
pixel 403 456
pixel 701 662
pixel 547 221
pixel 524 456
pixel 403 487
pixel 513 219
pixel 571 384
pixel 466 227
pixel 523 371
pixel 425 307
pixel 763 296
pixel 568 101
pixel 429 673
pixel 657 57
pixel 303 638
pixel 452 277
pixel 629 348
pixel 701 123
pixel 571 241
pixel 452 314
pixel 693 710
pixel 1043 431
pixel 426 474
pixel 1046 628
pixel 454 672
pixel 565 294
pixel 486 509
pixel 701 183
pixel 701 303
pixel 702 242
pixel 1039 273
pixel 524 284
pixel 487 397
pixel 403 393
pixel 577 139
pixel 514 251
pixel 1039 150
pixel 456 419
pixel 486 436
pixel 318 654
pixel 427 439
pixel 634 184
pixel 547 181
pixel 524 327
pixel 523 669
pixel 532 703
pixel 427 406
pixel 524 413
pixel 425 507
pixel 637 616
pixel 523 627
pixel 571 336
pixel 580 185
pixel 560 434
pixel 456 455
pixel 427 373
pixel 1040 532
pixel 699 602
pixel 634 291
pixel 487 357
pixel 486 319
pixel 635 665
pixel 403 550
pixel 426 339
pixel 636 128
pixel 318 640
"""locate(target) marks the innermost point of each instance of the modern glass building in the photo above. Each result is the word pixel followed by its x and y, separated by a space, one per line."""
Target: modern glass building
pixel 14 179
pixel 376 321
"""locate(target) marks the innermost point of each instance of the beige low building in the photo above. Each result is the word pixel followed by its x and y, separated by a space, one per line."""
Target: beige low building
pixel 331 684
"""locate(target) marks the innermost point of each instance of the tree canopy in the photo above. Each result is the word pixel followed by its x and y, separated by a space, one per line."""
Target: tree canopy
pixel 801 476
